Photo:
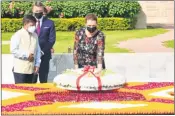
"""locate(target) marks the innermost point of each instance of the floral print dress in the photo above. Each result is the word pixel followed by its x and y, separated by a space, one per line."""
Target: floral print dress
pixel 88 51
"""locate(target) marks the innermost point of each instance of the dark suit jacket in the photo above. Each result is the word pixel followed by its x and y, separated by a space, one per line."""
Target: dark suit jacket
pixel 47 36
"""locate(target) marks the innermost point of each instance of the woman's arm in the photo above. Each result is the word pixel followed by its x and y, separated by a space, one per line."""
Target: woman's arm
pixel 75 57
pixel 100 50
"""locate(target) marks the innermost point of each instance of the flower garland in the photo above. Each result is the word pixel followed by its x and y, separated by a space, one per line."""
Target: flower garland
pixel 86 70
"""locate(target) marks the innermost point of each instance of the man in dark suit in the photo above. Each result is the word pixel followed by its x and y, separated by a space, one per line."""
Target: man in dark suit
pixel 45 29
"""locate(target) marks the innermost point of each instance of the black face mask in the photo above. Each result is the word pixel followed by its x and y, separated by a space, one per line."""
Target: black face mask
pixel 38 15
pixel 91 29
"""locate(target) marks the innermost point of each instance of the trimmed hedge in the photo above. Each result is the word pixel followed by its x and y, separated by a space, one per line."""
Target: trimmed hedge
pixel 72 9
pixel 72 24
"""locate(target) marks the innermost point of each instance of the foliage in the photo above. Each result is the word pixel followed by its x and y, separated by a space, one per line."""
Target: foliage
pixel 19 9
pixel 72 9
pixel 72 24
pixel 123 9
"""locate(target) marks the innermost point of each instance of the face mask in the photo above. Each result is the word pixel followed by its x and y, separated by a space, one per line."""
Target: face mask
pixel 91 29
pixel 31 29
pixel 38 15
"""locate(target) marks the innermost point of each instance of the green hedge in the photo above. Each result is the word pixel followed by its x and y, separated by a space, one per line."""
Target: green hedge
pixel 72 9
pixel 72 24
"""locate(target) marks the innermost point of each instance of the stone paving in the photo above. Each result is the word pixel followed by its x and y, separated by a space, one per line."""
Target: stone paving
pixel 149 44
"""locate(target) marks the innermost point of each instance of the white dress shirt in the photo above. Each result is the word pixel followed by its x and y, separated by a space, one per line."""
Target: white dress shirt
pixel 41 21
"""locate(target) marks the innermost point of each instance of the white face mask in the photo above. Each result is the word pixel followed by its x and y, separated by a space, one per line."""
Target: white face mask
pixel 31 29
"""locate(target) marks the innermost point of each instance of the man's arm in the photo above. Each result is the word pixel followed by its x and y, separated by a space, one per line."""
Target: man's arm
pixel 51 40
pixel 38 56
pixel 14 48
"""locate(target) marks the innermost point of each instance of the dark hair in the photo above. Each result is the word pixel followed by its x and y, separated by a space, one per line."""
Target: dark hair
pixel 91 17
pixel 29 19
pixel 38 4
pixel 45 10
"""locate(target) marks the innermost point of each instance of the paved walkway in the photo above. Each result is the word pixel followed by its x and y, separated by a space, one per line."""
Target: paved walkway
pixel 149 44
pixel 5 42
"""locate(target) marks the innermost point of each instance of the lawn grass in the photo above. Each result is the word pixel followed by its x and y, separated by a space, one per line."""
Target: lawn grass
pixel 5 49
pixel 66 39
pixel 169 44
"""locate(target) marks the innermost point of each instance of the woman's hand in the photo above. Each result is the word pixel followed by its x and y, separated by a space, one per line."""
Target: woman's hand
pixel 76 67
pixel 97 71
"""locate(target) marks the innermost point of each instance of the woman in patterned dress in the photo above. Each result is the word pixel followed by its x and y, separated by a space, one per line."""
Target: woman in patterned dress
pixel 89 45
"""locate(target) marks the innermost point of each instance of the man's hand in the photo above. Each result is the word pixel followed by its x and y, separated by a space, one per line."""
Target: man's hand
pixel 52 50
pixel 36 70
pixel 31 57
pixel 42 53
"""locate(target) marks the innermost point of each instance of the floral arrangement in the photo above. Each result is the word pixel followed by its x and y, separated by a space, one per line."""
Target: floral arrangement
pixel 134 98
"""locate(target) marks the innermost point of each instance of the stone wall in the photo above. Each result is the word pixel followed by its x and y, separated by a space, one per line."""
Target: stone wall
pixel 136 67
pixel 156 13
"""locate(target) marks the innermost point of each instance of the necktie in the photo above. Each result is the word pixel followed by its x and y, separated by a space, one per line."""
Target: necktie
pixel 38 28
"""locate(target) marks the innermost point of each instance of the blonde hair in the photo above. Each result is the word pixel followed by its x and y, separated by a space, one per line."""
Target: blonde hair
pixel 91 16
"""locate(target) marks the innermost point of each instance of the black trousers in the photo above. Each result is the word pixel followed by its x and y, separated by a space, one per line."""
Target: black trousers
pixel 22 78
pixel 43 71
